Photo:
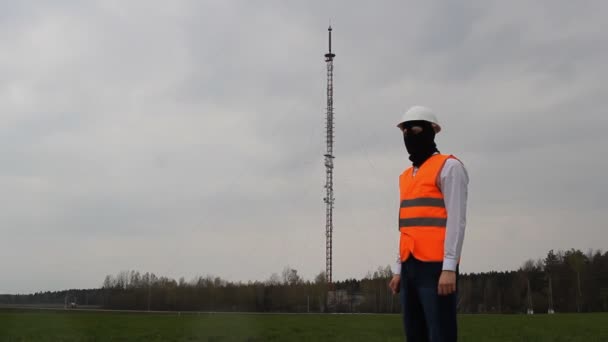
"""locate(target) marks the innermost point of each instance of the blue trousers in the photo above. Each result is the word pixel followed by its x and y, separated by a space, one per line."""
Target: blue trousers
pixel 427 316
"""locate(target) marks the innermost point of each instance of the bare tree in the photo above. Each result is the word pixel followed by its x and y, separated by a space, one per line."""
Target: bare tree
pixel 321 278
pixel 576 260
pixel 290 276
pixel 273 280
pixel 529 267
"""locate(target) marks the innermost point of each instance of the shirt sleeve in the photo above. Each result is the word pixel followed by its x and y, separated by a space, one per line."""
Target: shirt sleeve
pixel 454 181
pixel 397 265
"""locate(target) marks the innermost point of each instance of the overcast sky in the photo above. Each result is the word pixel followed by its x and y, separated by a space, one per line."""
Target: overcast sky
pixel 185 138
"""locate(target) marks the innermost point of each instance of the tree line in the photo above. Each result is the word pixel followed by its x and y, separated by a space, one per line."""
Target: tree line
pixel 564 281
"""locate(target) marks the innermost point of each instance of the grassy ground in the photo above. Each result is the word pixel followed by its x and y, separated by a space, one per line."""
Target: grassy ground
pixel 28 325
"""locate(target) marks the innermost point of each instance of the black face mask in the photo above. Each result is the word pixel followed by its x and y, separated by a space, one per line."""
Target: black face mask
pixel 420 146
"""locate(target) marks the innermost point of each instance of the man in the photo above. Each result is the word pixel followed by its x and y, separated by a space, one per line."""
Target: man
pixel 432 219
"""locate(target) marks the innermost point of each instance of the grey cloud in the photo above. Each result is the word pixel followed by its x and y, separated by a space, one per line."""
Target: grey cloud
pixel 184 138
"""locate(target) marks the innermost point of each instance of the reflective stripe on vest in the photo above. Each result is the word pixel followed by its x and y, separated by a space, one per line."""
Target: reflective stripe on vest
pixel 422 213
pixel 423 202
pixel 422 222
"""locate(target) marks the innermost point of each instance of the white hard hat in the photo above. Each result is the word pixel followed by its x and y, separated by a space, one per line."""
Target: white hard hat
pixel 417 113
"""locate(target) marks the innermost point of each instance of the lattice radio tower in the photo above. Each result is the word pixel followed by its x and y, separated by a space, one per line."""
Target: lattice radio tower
pixel 329 162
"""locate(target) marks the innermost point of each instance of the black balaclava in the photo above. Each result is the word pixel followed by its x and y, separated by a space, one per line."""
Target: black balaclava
pixel 422 145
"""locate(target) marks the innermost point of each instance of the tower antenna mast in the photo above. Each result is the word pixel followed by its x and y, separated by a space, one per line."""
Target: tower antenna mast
pixel 329 162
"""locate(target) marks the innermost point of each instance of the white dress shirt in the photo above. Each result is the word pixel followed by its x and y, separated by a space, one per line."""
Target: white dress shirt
pixel 453 182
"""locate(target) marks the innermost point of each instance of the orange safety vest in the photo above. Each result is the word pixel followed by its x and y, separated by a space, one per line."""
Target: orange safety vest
pixel 422 214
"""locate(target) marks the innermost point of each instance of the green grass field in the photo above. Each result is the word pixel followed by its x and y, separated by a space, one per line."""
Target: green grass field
pixel 28 325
